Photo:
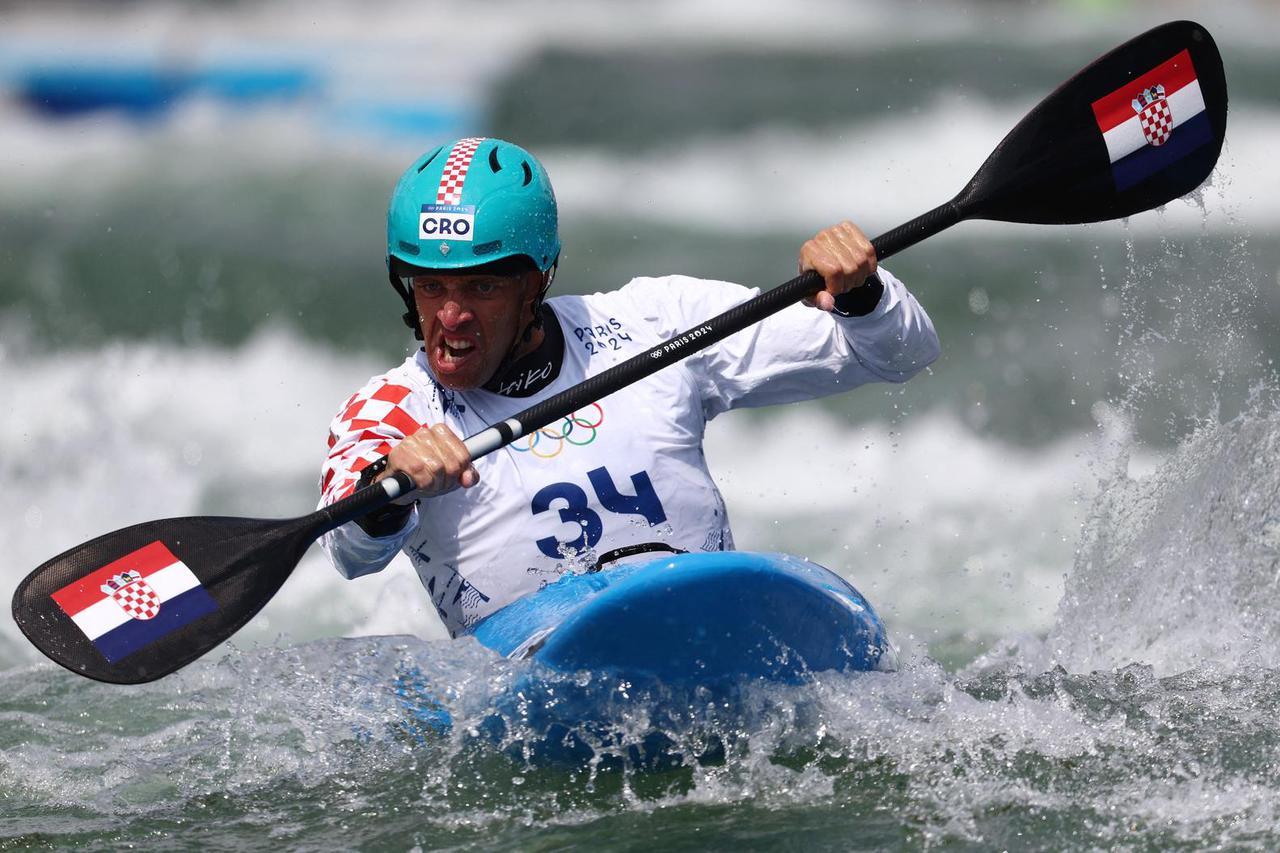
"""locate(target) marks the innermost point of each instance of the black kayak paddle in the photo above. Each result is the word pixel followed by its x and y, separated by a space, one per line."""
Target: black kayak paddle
pixel 1141 126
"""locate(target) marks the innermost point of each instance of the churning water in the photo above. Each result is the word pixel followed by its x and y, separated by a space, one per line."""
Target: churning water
pixel 1071 523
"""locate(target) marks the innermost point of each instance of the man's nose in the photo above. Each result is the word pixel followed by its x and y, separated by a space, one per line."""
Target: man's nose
pixel 453 314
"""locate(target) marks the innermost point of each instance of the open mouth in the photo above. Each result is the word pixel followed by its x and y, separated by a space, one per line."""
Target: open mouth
pixel 456 351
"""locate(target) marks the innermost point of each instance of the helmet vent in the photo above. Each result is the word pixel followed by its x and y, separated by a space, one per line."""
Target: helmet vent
pixel 408 247
pixel 528 174
pixel 427 162
pixel 493 160
pixel 487 248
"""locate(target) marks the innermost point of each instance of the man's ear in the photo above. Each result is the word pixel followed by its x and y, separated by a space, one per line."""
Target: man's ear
pixel 532 287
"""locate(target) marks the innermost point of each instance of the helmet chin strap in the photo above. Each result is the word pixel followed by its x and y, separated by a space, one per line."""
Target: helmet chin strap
pixel 410 316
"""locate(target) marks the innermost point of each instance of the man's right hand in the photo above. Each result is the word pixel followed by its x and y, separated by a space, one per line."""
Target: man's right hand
pixel 436 459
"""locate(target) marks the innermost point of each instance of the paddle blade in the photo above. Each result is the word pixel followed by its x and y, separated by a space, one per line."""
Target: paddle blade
pixel 137 604
pixel 1138 128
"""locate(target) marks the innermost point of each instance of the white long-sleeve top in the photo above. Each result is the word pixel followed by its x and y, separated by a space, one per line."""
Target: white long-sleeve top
pixel 626 469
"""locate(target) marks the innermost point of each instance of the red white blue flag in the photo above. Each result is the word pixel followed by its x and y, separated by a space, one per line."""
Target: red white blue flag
pixel 1153 121
pixel 133 601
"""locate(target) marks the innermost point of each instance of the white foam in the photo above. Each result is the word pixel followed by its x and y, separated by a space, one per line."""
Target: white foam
pixel 136 432
pixel 1178 569
pixel 100 440
pixel 944 531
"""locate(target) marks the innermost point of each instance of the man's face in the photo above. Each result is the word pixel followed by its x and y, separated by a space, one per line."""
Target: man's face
pixel 470 321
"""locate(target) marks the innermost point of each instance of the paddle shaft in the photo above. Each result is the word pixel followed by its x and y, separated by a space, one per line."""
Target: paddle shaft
pixel 639 366
pixel 681 346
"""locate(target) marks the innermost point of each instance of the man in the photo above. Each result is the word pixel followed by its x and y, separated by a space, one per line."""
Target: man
pixel 472 246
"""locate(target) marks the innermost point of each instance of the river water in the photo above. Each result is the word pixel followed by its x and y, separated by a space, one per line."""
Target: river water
pixel 1070 523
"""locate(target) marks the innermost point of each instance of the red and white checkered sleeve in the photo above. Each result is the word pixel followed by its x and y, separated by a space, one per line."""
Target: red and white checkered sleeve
pixel 370 423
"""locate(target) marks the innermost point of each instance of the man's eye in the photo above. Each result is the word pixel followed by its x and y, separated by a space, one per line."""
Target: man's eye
pixel 486 288
pixel 428 288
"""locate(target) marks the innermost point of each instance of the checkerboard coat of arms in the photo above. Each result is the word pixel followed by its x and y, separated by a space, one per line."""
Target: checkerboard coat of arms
pixel 134 595
pixel 1154 114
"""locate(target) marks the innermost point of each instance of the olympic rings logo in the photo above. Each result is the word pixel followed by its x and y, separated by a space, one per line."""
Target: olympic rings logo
pixel 549 442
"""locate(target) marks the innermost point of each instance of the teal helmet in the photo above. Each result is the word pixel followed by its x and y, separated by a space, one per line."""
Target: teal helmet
pixel 470 203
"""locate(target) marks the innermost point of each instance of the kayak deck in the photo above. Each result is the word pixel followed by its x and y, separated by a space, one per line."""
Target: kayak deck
pixel 705 617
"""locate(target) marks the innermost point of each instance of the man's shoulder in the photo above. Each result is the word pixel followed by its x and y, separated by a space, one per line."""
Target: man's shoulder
pixel 405 387
pixel 402 374
pixel 662 300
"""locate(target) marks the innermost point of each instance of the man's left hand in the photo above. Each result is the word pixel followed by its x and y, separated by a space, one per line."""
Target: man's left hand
pixel 843 256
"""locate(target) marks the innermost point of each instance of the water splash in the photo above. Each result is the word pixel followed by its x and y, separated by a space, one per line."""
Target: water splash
pixel 310 744
pixel 1180 569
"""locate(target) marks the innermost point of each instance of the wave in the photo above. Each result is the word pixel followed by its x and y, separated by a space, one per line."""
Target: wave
pixel 335 737
pixel 1178 570
pixel 103 439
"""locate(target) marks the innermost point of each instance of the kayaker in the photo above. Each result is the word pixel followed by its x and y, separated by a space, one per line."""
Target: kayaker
pixel 472 248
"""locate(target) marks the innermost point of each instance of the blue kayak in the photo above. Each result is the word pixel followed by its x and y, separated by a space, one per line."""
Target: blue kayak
pixel 728 616
pixel 656 638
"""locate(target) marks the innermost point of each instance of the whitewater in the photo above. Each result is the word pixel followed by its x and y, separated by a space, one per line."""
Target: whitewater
pixel 1070 523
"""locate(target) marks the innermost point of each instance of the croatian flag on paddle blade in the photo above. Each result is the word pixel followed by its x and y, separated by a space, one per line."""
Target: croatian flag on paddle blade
pixel 1153 121
pixel 133 601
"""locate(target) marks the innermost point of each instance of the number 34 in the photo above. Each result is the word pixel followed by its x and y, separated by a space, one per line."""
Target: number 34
pixel 576 508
